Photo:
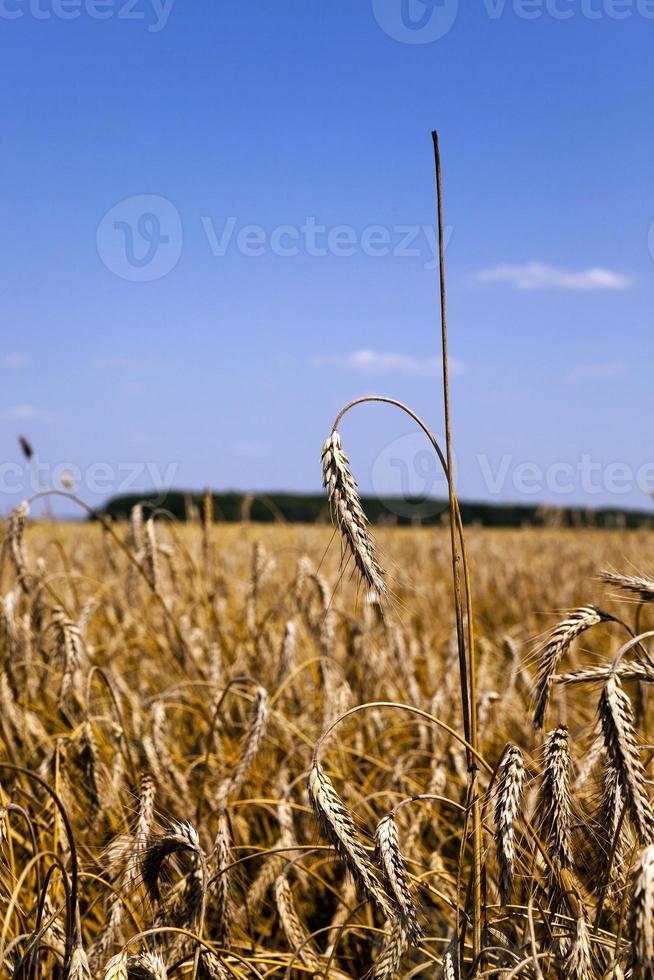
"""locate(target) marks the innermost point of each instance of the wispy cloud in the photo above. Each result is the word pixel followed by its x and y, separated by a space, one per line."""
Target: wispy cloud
pixel 387 362
pixel 123 362
pixel 29 413
pixel 584 372
pixel 537 275
pixel 13 361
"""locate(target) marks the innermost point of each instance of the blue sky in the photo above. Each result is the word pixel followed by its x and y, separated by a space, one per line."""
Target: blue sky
pixel 206 211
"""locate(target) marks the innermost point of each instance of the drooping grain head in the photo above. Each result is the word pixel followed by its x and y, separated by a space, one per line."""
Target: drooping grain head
pixel 347 513
pixel 394 876
pixel 338 826
pixel 558 643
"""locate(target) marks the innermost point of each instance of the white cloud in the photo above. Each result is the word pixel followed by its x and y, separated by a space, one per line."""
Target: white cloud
pixel 122 362
pixel 14 361
pixel 28 413
pixel 537 275
pixel 388 362
pixel 588 371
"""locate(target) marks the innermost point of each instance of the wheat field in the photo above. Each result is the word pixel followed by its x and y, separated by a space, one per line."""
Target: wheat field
pixel 224 756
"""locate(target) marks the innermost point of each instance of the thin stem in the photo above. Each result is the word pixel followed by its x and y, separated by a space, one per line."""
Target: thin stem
pixel 468 693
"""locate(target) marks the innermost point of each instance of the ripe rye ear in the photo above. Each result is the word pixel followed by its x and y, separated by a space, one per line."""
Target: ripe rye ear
pixel 555 802
pixel 395 878
pixel 641 920
pixel 347 513
pixel 507 809
pixel 337 824
pixel 558 643
pixel 617 720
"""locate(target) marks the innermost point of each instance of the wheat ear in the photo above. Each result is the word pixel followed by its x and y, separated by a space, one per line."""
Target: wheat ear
pixel 637 585
pixel 338 826
pixel 116 968
pixel 451 962
pixel 251 745
pixel 388 962
pixel 347 513
pixel 395 878
pixel 15 533
pixel 641 920
pixel 148 966
pixel 222 861
pixel 557 645
pixel 507 809
pixel 579 961
pixel 555 804
pixel 296 934
pixel 142 832
pixel 617 720
pixel 178 837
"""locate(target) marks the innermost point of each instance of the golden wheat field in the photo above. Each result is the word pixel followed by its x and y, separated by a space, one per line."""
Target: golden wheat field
pixel 222 757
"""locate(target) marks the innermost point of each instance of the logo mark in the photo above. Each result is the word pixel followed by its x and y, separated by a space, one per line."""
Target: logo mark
pixel 416 21
pixel 408 477
pixel 140 239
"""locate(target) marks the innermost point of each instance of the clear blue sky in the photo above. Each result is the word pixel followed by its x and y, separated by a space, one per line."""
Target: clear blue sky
pixel 128 338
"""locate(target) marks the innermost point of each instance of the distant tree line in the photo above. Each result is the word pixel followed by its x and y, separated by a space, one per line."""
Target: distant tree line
pixel 313 508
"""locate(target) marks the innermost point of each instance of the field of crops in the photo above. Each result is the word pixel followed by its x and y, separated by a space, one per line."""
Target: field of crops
pixel 222 757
